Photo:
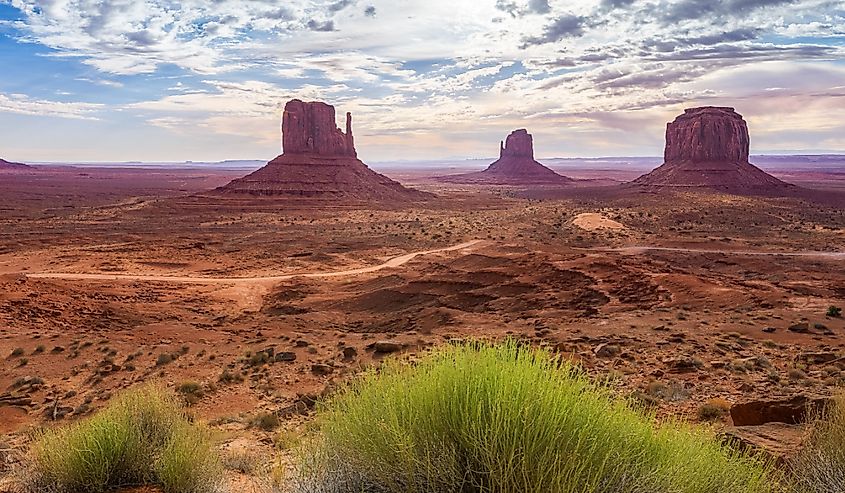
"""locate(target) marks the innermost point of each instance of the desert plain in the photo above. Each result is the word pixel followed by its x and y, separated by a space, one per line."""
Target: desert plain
pixel 112 276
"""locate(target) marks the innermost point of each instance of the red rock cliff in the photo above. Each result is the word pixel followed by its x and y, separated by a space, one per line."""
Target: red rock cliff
pixel 518 144
pixel 311 128
pixel 707 134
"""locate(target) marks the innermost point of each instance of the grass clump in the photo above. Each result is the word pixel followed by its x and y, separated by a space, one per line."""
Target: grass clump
pixel 508 418
pixel 820 466
pixel 192 392
pixel 834 311
pixel 142 437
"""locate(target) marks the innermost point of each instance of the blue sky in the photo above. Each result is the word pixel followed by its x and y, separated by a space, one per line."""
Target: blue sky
pixel 170 80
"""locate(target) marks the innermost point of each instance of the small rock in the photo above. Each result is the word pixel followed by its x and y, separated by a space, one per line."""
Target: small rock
pixel 349 353
pixel 606 350
pixel 387 346
pixel 321 369
pixel 800 328
pixel 285 356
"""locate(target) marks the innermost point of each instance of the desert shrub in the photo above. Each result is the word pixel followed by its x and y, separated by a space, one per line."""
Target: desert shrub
pixel 192 392
pixel 714 409
pixel 820 466
pixel 230 377
pixel 163 359
pixel 507 418
pixel 142 437
pixel 834 311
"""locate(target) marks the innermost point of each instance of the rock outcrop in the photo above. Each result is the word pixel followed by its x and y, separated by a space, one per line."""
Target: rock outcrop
pixel 319 161
pixel 7 165
pixel 515 166
pixel 708 147
pixel 310 128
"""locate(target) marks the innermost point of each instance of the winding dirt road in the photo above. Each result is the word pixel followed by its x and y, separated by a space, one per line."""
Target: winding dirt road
pixel 642 249
pixel 393 262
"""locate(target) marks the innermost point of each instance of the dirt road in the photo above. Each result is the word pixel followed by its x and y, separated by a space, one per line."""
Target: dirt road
pixel 391 263
pixel 642 249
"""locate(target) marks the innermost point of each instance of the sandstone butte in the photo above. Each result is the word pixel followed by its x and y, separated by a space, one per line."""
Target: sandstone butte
pixel 708 147
pixel 319 160
pixel 515 166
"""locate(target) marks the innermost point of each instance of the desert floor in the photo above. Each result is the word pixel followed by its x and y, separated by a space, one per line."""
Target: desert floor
pixel 110 277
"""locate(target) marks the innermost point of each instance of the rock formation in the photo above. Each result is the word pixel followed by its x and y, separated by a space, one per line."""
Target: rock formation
pixel 319 161
pixel 7 165
pixel 708 147
pixel 515 166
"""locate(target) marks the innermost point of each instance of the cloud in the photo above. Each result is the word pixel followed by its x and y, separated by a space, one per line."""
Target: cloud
pixel 703 9
pixel 24 105
pixel 565 26
pixel 472 70
pixel 515 9
pixel 324 26
pixel 340 5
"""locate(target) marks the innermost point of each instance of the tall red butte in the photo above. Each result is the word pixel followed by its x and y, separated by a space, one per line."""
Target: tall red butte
pixel 515 166
pixel 319 161
pixel 707 147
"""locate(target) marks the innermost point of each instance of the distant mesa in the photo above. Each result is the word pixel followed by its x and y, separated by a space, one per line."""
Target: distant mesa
pixel 8 165
pixel 515 166
pixel 708 147
pixel 319 161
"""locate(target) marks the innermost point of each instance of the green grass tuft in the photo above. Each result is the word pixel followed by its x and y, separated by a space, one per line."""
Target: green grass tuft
pixel 142 437
pixel 508 418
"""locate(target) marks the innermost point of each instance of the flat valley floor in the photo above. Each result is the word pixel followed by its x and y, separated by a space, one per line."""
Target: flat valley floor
pixel 109 277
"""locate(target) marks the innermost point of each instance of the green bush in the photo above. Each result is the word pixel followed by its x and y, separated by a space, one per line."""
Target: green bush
pixel 142 437
pixel 834 311
pixel 507 418
pixel 820 466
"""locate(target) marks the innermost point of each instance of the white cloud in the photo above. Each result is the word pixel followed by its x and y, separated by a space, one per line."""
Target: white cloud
pixel 24 105
pixel 472 70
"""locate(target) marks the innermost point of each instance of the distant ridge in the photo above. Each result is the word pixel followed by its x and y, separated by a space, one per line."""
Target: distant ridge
pixel 8 165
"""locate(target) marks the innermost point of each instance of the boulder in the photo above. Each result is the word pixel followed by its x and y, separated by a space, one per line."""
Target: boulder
pixel 385 347
pixel 794 410
pixel 778 442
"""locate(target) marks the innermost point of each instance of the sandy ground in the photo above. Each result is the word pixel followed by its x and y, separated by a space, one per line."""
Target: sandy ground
pixel 109 279
pixel 591 221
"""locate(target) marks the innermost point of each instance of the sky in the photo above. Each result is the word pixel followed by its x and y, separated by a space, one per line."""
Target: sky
pixel 171 80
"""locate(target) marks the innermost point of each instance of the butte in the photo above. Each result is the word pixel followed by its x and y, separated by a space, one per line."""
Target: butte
pixel 515 166
pixel 707 147
pixel 319 161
